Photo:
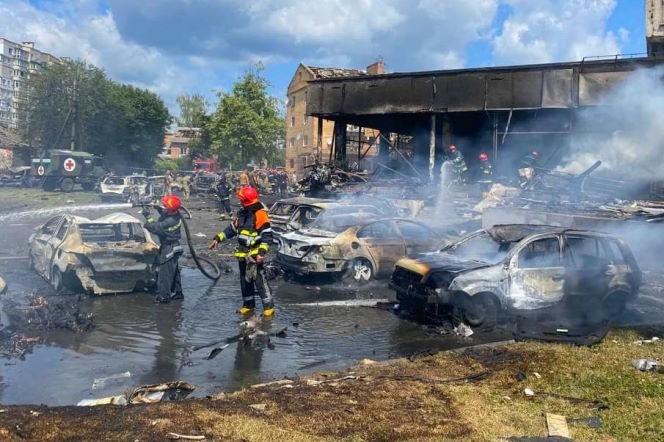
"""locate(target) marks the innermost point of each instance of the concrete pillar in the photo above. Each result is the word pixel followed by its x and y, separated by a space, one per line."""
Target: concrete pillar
pixel 319 141
pixel 340 143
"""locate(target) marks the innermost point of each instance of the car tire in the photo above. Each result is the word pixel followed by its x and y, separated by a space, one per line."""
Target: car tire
pixel 57 280
pixel 87 186
pixel 479 311
pixel 614 305
pixel 67 185
pixel 359 271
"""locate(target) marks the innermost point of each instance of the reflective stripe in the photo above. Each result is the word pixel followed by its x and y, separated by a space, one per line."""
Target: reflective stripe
pixel 174 228
pixel 150 220
pixel 221 236
pixel 263 246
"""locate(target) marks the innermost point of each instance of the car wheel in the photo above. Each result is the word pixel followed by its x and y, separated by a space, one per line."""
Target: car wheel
pixel 614 305
pixel 359 271
pixel 88 186
pixel 57 280
pixel 479 311
pixel 67 185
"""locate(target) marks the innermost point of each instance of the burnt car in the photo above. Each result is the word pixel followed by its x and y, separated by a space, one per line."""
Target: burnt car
pixel 357 246
pixel 512 268
pixel 111 254
pixel 282 210
pixel 124 188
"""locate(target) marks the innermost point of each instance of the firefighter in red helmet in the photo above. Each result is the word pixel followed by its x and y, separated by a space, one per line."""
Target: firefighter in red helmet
pixel 251 227
pixel 486 172
pixel 167 228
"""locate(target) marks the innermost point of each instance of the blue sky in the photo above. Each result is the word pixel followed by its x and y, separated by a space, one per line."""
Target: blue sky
pixel 185 46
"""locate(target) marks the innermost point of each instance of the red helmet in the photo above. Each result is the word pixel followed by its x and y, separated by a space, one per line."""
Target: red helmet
pixel 535 153
pixel 453 148
pixel 171 203
pixel 247 195
pixel 484 156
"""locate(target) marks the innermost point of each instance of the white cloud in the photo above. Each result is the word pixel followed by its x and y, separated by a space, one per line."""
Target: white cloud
pixel 555 30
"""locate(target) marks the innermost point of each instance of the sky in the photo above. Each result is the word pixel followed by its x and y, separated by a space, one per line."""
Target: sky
pixel 202 46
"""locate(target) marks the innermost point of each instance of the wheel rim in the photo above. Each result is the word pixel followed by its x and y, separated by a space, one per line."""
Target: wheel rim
pixel 361 271
pixel 475 313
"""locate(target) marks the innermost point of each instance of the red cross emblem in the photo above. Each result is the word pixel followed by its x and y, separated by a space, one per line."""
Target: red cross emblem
pixel 70 164
pixel 40 170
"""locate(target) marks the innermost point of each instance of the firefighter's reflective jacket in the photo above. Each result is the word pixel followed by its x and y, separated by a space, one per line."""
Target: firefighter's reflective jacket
pixel 459 162
pixel 486 169
pixel 167 227
pixel 252 228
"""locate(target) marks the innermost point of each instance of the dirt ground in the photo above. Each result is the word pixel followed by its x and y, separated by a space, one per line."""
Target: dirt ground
pixel 476 394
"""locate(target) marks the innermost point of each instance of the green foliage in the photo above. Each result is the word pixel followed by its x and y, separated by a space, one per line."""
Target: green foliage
pixel 193 110
pixel 121 122
pixel 161 165
pixel 246 124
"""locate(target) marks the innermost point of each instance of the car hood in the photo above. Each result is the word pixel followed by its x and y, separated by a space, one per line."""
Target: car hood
pixel 307 239
pixel 440 262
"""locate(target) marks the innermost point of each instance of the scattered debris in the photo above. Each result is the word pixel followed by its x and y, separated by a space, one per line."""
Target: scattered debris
pixel 111 400
pixel 279 383
pixel 557 425
pixel 537 375
pixel 529 392
pixel 35 413
pixel 215 351
pixel 367 362
pixel 169 391
pixel 645 364
pixel 258 407
pixel 281 333
pixel 200 235
pixel 521 376
pixel 639 342
pixel 590 421
pixel 101 382
pixel 463 330
pixel 48 314
pixel 176 436
pixel 316 383
pixel 15 344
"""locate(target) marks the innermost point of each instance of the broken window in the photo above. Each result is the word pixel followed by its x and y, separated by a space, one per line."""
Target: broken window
pixel 541 253
pixel 584 251
pixel 384 229
pixel 63 229
pixel 481 247
pixel 99 233
pixel 411 231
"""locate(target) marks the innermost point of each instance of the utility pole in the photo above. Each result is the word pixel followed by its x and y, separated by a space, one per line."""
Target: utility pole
pixel 74 119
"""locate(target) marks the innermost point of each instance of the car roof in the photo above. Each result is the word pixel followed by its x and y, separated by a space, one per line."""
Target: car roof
pixel 113 218
pixel 304 200
pixel 517 232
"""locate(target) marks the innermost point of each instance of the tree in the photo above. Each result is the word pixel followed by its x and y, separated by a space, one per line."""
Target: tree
pixel 123 123
pixel 246 124
pixel 193 110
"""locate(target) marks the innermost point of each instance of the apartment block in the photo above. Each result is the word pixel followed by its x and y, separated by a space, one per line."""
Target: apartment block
pixel 17 62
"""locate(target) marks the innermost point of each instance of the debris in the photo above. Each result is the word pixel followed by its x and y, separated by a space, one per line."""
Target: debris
pixel 258 407
pixel 3 285
pixel 281 333
pixel 645 364
pixel 110 400
pixel 200 234
pixel 34 413
pixel 279 383
pixel 639 342
pixel 101 382
pixel 463 330
pixel 348 303
pixel 537 375
pixel 529 392
pixel 557 425
pixel 71 202
pixel 367 362
pixel 215 351
pixel 590 421
pixel 315 383
pixel 176 436
pixel 48 314
pixel 521 376
pixel 169 391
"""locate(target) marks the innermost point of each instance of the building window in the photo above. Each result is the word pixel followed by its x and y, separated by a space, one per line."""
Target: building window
pixel 305 141
pixel 291 101
pixel 292 121
pixel 292 163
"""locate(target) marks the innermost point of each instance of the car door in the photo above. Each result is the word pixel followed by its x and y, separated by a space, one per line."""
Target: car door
pixel 384 243
pixel 537 273
pixel 417 237
pixel 40 245
pixel 589 269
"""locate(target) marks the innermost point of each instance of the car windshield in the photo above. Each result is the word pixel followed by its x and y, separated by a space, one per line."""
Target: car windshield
pixel 337 223
pixel 479 248
pixel 120 232
pixel 115 180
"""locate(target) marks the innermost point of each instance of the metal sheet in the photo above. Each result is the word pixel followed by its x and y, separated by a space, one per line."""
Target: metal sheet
pixel 527 89
pixel 397 95
pixel 499 91
pixel 557 88
pixel 460 92
pixel 594 86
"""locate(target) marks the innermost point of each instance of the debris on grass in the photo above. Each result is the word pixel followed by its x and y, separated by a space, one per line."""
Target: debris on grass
pixel 645 364
pixel 557 426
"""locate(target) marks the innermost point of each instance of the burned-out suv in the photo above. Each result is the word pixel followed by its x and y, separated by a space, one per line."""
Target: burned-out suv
pixel 510 268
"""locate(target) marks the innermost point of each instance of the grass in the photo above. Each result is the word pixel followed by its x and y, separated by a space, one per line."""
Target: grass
pixel 403 400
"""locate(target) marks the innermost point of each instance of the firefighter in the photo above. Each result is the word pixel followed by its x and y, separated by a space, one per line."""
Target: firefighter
pixel 486 172
pixel 223 191
pixel 527 167
pixel 167 228
pixel 251 226
pixel 458 163
pixel 185 183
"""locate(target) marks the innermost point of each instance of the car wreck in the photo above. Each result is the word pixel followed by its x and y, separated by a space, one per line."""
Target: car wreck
pixel 124 188
pixel 359 246
pixel 512 268
pixel 111 254
pixel 282 210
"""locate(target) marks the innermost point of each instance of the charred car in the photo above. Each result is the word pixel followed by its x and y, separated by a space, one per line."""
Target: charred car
pixel 111 254
pixel 124 188
pixel 512 268
pixel 282 210
pixel 357 246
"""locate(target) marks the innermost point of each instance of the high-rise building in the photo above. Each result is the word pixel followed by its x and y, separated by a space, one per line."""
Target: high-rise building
pixel 655 27
pixel 302 131
pixel 17 62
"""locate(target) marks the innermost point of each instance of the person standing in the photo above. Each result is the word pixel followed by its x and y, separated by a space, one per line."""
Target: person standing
pixel 251 227
pixel 458 162
pixel 168 229
pixel 243 180
pixel 185 182
pixel 223 191
pixel 486 172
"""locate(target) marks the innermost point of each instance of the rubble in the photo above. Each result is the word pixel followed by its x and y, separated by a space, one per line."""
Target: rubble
pixel 645 364
pixel 42 314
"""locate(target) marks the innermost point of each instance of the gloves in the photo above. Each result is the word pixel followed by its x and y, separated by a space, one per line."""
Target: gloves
pixel 146 212
pixel 260 259
pixel 213 245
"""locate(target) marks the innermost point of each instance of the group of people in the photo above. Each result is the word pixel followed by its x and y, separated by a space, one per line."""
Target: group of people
pixel 484 175
pixel 250 226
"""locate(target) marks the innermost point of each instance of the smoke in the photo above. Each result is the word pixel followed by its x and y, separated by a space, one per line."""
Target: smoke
pixel 626 132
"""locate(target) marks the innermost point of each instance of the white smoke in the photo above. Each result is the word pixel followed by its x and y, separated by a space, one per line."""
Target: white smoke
pixel 626 132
